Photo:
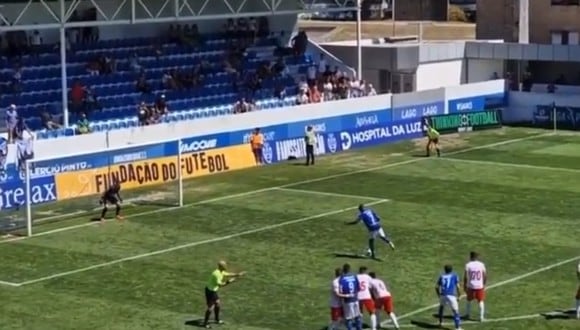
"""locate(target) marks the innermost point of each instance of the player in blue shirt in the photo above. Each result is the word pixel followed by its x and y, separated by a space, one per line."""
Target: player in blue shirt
pixel 373 224
pixel 448 292
pixel 348 288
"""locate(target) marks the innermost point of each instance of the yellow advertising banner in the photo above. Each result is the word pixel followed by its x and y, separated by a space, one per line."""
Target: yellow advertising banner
pixel 152 171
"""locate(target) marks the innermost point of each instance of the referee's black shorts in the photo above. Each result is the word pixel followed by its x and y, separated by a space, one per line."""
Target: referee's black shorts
pixel 434 140
pixel 211 297
pixel 110 199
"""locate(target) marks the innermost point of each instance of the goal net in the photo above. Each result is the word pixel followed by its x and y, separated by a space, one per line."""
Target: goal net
pixel 69 188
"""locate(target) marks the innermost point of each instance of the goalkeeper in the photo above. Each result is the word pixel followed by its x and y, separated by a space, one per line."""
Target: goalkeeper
pixel 112 196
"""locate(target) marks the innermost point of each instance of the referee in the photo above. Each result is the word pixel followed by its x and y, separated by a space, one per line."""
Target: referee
pixel 310 140
pixel 219 278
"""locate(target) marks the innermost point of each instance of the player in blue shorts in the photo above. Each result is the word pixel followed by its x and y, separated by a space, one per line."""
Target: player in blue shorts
pixel 373 224
pixel 448 292
pixel 348 288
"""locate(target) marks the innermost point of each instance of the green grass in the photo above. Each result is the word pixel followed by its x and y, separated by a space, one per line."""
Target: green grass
pixel 515 203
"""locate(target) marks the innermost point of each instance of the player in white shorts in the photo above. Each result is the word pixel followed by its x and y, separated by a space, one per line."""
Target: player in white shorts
pixel 365 299
pixel 383 298
pixel 335 303
pixel 578 293
pixel 474 281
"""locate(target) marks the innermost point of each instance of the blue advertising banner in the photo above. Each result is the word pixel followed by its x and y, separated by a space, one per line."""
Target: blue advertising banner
pixel 566 117
pixel 329 143
pixel 379 134
pixel 478 103
pixel 322 125
pixel 13 193
pixel 418 111
pixel 200 143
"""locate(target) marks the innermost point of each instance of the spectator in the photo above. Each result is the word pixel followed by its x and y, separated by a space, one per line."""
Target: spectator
pixel 36 42
pixel 302 86
pixel 16 82
pixel 77 96
pixel 134 63
pixel 371 90
pixel 19 129
pixel 253 29
pixel 314 94
pixel 109 65
pixel 327 89
pixel 143 114
pixel 280 91
pixel 172 34
pixel 161 106
pixel 264 71
pixel 254 83
pixel 83 125
pixel 353 88
pixel 168 81
pixel 299 43
pixel 11 121
pixel 94 67
pixel 279 67
pixel 48 121
pixel 302 98
pixel 141 85
pixel 242 106
pixel 91 102
pixel 322 66
pixel 311 75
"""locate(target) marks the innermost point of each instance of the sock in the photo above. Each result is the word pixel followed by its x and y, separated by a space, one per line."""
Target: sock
pixel 456 319
pixel 440 314
pixel 373 322
pixel 481 310
pixel 394 319
pixel 468 308
pixel 358 323
pixel 118 210
pixel 207 315
pixel 427 149
pixel 349 324
pixel 334 325
pixel 372 247
pixel 103 213
pixel 216 312
pixel 438 152
pixel 578 308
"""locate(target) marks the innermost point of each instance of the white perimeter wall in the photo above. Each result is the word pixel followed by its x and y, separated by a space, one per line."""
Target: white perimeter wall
pixel 482 70
pixel 440 74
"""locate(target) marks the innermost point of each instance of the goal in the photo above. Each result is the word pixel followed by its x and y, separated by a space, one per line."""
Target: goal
pixel 69 187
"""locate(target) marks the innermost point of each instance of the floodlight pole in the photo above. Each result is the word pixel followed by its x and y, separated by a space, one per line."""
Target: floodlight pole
pixel 358 40
pixel 63 73
pixel 394 24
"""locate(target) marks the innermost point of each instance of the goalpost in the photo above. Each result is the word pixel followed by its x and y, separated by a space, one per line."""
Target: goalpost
pixel 69 187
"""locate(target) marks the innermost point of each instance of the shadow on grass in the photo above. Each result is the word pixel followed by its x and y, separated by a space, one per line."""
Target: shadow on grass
pixel 354 256
pixel 195 323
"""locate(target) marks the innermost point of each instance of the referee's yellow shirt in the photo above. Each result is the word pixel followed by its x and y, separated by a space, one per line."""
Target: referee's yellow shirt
pixel 310 138
pixel 216 280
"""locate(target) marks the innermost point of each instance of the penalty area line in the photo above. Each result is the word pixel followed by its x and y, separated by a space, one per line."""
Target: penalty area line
pixel 495 320
pixel 495 285
pixel 193 244
pixel 332 194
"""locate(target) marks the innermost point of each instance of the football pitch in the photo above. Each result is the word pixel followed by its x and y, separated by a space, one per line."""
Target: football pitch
pixel 510 194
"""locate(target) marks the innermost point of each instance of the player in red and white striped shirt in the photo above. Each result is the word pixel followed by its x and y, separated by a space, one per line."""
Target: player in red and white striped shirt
pixel 474 281
pixel 335 303
pixel 383 298
pixel 365 297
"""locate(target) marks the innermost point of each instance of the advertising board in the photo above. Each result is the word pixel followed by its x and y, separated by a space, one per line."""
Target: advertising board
pixel 466 122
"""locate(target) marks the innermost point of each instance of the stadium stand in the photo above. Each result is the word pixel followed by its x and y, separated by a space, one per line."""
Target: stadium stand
pixel 106 72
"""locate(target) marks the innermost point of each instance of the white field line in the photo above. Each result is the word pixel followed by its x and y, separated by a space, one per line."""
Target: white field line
pixel 192 244
pixel 6 283
pixel 323 178
pixel 496 320
pixel 331 194
pixel 495 285
pixel 516 165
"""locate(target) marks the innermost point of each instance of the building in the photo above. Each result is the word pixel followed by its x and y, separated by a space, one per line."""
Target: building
pixel 549 22
pixel 421 10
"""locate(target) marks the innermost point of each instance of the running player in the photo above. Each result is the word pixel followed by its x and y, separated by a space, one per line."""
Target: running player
pixel 448 292
pixel 383 298
pixel 578 293
pixel 348 288
pixel 365 298
pixel 112 196
pixel 433 139
pixel 335 303
pixel 373 223
pixel 474 281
